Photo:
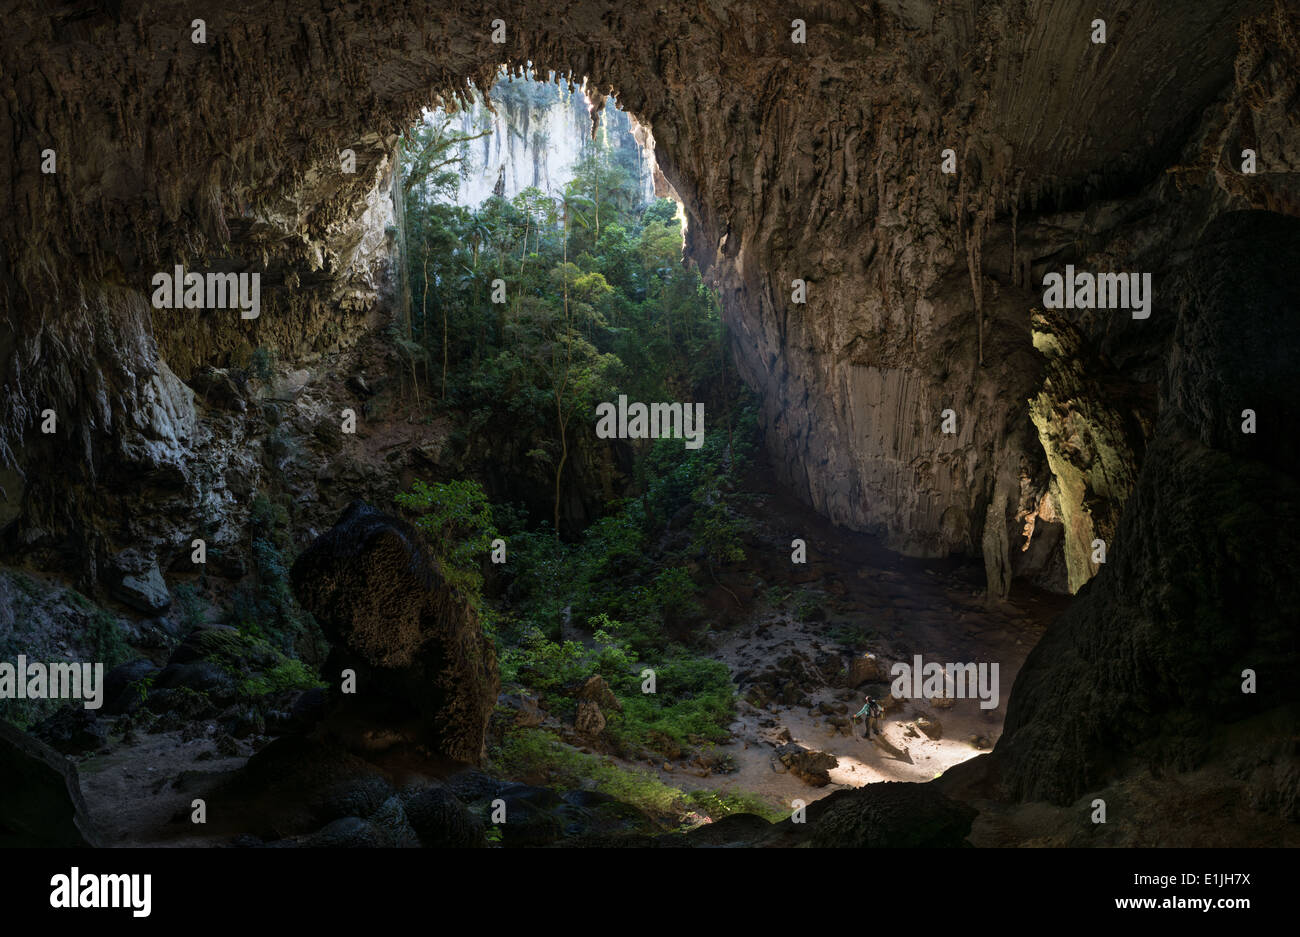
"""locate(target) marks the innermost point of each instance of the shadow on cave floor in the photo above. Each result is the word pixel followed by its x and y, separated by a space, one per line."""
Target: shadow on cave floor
pixel 795 636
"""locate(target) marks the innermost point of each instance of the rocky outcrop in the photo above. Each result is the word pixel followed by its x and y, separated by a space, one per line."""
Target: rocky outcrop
pixel 889 815
pixel 413 642
pixel 40 797
pixel 539 132
pixel 1198 591
pixel 1090 450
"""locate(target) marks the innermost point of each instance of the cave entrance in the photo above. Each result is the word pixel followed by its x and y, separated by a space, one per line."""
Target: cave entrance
pixel 550 330
pixel 539 261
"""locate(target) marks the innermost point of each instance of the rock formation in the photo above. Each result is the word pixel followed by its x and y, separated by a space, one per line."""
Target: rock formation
pixel 413 642
pixel 42 803
pixel 1153 655
pixel 919 282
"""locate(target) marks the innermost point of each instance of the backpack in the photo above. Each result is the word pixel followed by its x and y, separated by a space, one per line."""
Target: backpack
pixel 876 710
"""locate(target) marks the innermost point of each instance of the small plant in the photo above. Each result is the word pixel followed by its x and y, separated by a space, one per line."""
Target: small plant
pixel 191 606
pixel 106 637
pixel 143 686
pixel 261 364
pixel 776 596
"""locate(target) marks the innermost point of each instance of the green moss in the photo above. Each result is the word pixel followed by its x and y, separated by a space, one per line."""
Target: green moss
pixel 719 804
pixel 287 675
pixel 537 756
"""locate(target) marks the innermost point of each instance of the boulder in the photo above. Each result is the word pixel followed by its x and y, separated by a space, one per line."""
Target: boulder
pixel 40 796
pixel 123 686
pixel 930 726
pixel 141 584
pixel 73 730
pixel 217 388
pixel 596 690
pixel 392 821
pixel 889 815
pixel 530 713
pixel 867 669
pixel 812 767
pixel 442 821
pixel 349 833
pixel 413 640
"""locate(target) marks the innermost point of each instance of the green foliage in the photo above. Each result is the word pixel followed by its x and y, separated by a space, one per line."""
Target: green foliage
pixel 545 665
pixel 191 606
pixel 106 639
pixel 598 303
pixel 458 519
pixel 719 804
pixel 142 686
pixel 287 674
pixel 694 703
pixel 537 756
pixel 776 595
pixel 258 666
pixel 851 634
pixel 808 605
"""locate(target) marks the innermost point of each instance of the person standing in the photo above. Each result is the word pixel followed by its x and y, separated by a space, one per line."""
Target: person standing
pixel 873 712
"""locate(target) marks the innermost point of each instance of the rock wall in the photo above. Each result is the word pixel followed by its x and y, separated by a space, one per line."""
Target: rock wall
pixel 539 131
pixel 1152 657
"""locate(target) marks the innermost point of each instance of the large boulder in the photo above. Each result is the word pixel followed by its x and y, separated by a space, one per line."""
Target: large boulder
pixel 441 820
pixel 596 690
pixel 413 641
pixel 812 767
pixel 73 730
pixel 140 583
pixel 889 815
pixel 40 796
pixel 867 669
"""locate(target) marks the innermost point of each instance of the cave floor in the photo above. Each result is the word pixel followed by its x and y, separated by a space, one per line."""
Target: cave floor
pixel 934 608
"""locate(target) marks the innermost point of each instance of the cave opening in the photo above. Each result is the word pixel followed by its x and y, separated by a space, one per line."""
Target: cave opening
pixel 542 298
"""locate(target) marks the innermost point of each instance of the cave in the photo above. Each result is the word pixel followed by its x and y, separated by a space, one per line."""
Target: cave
pixel 1001 292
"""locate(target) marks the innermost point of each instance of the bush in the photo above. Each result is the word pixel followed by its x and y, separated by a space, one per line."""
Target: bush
pixel 458 518
pixel 537 756
pixel 106 637
pixel 693 703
